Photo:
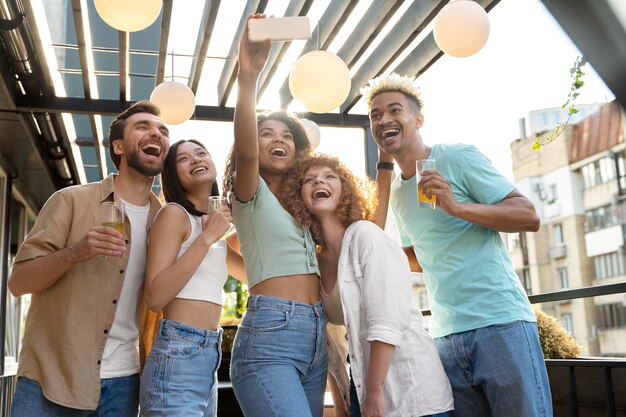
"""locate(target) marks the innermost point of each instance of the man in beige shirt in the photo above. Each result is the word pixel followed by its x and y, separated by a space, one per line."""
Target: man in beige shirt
pixel 80 355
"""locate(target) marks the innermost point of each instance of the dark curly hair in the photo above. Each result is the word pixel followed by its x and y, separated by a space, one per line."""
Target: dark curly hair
pixel 358 198
pixel 300 139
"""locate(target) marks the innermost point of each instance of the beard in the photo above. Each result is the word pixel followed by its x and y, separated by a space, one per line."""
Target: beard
pixel 145 169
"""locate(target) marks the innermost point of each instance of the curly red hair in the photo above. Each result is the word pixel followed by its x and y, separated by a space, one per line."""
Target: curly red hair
pixel 358 198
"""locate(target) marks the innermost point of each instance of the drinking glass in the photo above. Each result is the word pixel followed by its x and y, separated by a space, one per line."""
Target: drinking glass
pixel 423 202
pixel 213 203
pixel 113 216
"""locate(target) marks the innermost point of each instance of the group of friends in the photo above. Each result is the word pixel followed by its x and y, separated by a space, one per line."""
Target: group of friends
pixel 330 291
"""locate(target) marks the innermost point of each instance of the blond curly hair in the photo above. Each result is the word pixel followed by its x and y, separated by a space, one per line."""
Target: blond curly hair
pixel 358 198
pixel 393 83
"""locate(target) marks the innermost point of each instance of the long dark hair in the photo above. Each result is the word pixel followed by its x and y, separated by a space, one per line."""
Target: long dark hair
pixel 300 140
pixel 172 190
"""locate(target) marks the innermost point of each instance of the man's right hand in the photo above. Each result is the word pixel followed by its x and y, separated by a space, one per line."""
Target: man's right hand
pixel 100 240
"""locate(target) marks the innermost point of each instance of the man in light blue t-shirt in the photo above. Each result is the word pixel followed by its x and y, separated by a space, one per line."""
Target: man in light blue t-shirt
pixel 482 321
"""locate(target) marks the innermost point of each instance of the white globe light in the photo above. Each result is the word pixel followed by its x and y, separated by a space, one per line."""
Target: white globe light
pixel 128 16
pixel 320 80
pixel 461 28
pixel 312 132
pixel 175 100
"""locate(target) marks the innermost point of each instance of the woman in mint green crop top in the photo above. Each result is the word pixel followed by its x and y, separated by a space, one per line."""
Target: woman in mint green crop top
pixel 279 360
pixel 185 273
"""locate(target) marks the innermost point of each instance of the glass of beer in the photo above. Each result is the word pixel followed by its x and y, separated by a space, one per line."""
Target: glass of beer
pixel 213 203
pixel 113 216
pixel 423 202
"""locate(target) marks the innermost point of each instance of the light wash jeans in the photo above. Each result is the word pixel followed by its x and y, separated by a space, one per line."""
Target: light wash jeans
pixel 180 375
pixel 497 371
pixel 119 397
pixel 279 359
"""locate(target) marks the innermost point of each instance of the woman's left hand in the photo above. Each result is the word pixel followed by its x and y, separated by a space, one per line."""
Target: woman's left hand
pixel 374 405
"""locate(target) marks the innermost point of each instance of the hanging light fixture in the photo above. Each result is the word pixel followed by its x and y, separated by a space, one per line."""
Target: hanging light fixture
pixel 128 16
pixel 461 28
pixel 312 132
pixel 320 80
pixel 175 100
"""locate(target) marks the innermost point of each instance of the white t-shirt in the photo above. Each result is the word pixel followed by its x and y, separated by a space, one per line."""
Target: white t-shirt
pixel 121 353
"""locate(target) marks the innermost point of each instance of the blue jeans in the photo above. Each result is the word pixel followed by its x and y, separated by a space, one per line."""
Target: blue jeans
pixel 180 375
pixel 279 359
pixel 119 397
pixel 497 370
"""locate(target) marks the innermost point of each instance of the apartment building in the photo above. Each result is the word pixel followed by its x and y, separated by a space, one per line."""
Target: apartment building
pixel 578 185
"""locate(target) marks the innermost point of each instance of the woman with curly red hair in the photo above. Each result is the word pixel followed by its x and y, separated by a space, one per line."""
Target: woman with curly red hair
pixel 366 286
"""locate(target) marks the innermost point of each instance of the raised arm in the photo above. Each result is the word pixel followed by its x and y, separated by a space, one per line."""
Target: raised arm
pixel 383 186
pixel 252 59
pixel 38 274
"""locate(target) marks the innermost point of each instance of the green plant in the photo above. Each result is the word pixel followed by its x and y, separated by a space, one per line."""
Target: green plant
pixel 576 75
pixel 235 302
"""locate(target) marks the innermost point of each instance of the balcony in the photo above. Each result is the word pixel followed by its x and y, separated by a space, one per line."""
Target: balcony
pixel 558 252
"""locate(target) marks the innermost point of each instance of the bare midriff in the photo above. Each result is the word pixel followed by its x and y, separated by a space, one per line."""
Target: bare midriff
pixel 303 288
pixel 198 313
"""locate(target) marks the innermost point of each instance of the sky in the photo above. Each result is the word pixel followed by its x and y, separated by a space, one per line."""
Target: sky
pixel 524 66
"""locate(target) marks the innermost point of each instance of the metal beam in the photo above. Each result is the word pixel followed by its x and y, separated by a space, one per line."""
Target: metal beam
pixel 32 103
pixel 124 63
pixel 327 28
pixel 165 35
pixel 410 25
pixel 82 48
pixel 597 32
pixel 374 19
pixel 229 72
pixel 202 44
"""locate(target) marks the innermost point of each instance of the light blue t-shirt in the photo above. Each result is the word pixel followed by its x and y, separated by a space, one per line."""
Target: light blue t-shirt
pixel 272 243
pixel 470 279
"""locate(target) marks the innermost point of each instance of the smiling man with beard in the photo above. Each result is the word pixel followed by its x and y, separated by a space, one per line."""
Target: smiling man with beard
pixel 482 322
pixel 80 351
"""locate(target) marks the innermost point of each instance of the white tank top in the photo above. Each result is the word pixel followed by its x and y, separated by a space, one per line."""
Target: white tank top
pixel 207 282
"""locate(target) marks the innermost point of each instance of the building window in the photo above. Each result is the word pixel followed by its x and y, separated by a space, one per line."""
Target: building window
pixel 558 234
pixel 602 217
pixel 551 194
pixel 612 315
pixel 598 172
pixel 566 321
pixel 563 279
pixel 608 265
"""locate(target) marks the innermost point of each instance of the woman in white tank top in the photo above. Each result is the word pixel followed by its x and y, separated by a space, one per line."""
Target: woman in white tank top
pixel 185 273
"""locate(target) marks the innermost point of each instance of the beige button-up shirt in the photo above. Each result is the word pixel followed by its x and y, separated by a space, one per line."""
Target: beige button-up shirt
pixel 68 324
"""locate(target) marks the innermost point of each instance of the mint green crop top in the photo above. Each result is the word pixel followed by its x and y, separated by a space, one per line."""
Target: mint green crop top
pixel 272 243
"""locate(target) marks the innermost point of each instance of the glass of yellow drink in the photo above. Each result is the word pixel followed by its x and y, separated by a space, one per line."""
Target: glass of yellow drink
pixel 113 216
pixel 423 201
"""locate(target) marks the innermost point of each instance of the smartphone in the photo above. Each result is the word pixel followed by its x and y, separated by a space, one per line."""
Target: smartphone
pixel 279 28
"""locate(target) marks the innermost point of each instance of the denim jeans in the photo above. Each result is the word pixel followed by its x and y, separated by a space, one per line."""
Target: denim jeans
pixel 497 370
pixel 180 375
pixel 119 397
pixel 279 359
